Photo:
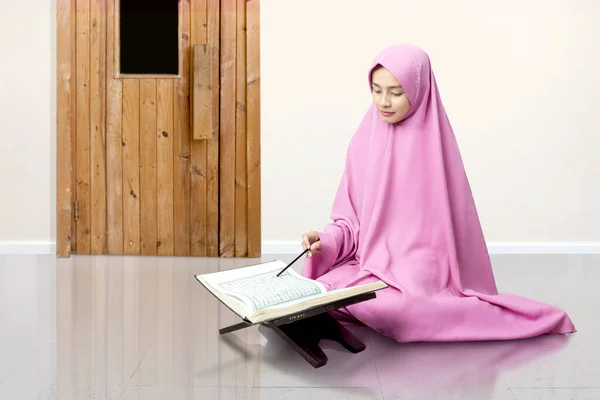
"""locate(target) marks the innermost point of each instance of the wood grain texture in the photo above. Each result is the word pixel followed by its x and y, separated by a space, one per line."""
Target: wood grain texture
pixel 148 193
pixel 181 141
pixel 198 184
pixel 202 92
pixel 164 172
pixel 98 126
pixel 201 121
pixel 144 183
pixel 212 150
pixel 131 169
pixel 114 164
pixel 65 98
pixel 253 128
pixel 83 127
pixel 73 160
pixel 227 133
pixel 241 192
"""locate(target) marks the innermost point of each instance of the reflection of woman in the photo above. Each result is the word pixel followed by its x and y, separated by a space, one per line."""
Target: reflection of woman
pixel 404 213
pixel 459 368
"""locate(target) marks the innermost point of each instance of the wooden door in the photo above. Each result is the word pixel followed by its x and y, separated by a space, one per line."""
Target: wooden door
pixel 158 126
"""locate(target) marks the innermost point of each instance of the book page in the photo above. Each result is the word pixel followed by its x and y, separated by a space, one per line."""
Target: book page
pixel 316 301
pixel 243 272
pixel 266 289
pixel 318 296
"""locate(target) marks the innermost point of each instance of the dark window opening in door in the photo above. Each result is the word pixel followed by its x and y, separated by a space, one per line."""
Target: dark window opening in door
pixel 149 37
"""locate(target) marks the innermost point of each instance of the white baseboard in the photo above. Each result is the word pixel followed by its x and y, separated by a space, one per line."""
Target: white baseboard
pixel 282 247
pixel 274 247
pixel 544 248
pixel 27 247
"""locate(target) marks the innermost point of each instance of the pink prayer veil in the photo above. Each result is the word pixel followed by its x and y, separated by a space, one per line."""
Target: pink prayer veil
pixel 404 213
pixel 404 209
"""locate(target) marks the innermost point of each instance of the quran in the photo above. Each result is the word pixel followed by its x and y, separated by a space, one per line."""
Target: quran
pixel 257 295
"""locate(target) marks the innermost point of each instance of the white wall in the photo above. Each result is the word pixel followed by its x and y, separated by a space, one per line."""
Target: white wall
pixel 27 121
pixel 520 79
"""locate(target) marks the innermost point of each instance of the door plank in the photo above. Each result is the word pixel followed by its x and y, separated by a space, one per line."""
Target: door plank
pixel 253 110
pixel 114 164
pixel 131 169
pixel 200 107
pixel 74 105
pixel 98 126
pixel 164 177
pixel 200 72
pixel 83 127
pixel 227 134
pixel 181 141
pixel 148 239
pixel 212 151
pixel 241 193
pixel 65 95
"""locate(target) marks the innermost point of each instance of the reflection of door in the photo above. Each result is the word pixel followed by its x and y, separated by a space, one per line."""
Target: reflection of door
pixel 158 127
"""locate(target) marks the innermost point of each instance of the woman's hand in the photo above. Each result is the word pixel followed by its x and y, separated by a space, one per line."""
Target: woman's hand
pixel 311 240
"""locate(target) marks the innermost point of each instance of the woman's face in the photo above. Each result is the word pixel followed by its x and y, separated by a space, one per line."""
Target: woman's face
pixel 388 96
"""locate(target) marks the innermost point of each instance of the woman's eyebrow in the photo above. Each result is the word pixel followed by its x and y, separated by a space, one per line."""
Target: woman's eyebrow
pixel 389 87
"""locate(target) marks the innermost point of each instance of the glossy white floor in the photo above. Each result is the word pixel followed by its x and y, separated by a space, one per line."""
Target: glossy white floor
pixel 143 328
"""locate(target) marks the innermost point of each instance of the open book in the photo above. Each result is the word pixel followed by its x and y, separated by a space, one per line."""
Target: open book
pixel 257 295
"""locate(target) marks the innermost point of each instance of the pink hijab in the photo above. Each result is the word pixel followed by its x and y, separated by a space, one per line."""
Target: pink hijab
pixel 404 213
pixel 404 199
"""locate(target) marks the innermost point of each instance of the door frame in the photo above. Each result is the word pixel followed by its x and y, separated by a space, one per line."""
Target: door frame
pixel 66 106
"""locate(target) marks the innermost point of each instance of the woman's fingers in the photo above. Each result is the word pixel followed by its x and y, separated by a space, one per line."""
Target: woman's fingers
pixel 310 242
pixel 315 248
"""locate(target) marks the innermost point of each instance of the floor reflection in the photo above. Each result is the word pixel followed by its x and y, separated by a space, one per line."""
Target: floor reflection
pixel 434 369
pixel 143 328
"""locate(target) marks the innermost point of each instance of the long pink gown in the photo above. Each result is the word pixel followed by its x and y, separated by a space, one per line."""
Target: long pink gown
pixel 404 214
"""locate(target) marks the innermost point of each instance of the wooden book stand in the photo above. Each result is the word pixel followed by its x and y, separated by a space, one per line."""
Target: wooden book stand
pixel 303 331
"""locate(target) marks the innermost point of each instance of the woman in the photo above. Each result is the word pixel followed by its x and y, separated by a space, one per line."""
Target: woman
pixel 404 214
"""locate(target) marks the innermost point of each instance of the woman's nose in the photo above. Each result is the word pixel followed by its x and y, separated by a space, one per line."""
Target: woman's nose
pixel 383 101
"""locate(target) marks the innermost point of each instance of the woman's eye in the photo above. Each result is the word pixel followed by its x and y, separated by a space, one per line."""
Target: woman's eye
pixel 397 94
